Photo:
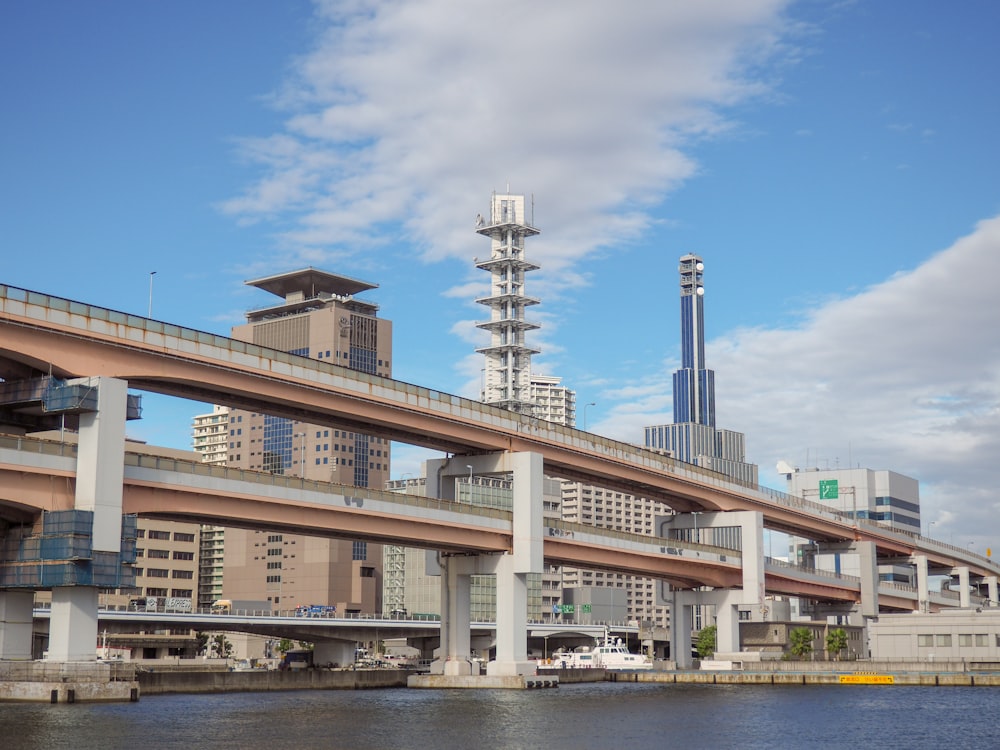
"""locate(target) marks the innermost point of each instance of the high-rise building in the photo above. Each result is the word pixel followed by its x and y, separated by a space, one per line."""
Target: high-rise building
pixel 552 401
pixel 693 437
pixel 210 435
pixel 884 497
pixel 319 316
pixel 875 495
pixel 507 376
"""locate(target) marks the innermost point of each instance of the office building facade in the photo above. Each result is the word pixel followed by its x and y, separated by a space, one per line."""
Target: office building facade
pixel 319 316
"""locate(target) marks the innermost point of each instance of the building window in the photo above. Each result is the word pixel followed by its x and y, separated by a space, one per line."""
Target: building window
pixel 159 534
pixel 184 555
pixel 159 554
pixel 359 551
pixel 157 573
pixel 179 537
pixel 925 640
pixel 183 574
pixel 943 639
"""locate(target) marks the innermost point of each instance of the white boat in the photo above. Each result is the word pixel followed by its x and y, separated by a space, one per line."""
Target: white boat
pixel 611 655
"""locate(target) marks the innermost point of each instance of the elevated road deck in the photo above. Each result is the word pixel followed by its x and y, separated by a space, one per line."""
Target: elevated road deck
pixel 44 334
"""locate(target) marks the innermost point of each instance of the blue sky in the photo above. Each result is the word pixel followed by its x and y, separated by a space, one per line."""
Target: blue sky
pixel 834 163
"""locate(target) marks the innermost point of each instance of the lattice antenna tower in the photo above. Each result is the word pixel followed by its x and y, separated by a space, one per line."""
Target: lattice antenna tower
pixel 507 375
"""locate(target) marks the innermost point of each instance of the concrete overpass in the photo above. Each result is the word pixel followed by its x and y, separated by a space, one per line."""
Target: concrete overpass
pixel 38 474
pixel 42 334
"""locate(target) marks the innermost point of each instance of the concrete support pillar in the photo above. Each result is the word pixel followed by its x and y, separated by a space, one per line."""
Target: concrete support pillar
pixel 681 624
pixel 511 570
pixel 964 594
pixel 16 625
pixel 100 467
pixel 991 588
pixel 868 571
pixel 512 623
pixel 727 622
pixel 750 542
pixel 73 624
pixel 923 584
pixel 455 656
pixel 332 651
pixel 100 472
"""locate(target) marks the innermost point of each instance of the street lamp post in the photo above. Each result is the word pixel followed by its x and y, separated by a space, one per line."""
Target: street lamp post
pixel 592 403
pixel 149 313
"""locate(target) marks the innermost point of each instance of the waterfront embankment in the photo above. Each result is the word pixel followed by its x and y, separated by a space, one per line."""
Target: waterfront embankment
pixel 156 682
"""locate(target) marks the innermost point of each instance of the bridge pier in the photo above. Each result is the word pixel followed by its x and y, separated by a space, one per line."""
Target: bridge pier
pixel 100 473
pixel 862 562
pixel 923 583
pixel 16 625
pixel 333 651
pixel 511 569
pixel 742 531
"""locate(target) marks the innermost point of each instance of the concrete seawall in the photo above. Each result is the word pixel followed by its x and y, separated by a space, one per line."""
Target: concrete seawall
pixel 990 679
pixel 161 683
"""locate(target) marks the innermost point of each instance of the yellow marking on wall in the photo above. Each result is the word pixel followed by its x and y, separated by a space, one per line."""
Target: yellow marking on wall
pixel 867 679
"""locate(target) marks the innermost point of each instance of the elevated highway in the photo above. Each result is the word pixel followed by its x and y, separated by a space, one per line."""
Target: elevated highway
pixel 41 334
pixel 40 475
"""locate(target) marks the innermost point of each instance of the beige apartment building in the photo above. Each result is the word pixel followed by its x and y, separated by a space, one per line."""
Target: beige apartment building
pixel 318 316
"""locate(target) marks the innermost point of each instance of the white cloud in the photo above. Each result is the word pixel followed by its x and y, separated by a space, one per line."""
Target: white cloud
pixel 405 115
pixel 904 375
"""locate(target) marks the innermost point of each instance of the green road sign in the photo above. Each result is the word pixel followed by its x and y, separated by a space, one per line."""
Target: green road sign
pixel 585 608
pixel 828 489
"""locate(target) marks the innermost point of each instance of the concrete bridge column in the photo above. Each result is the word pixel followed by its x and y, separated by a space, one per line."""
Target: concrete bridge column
pixel 73 624
pixel 923 585
pixel 681 624
pixel 964 594
pixel 333 651
pixel 991 588
pixel 456 585
pixel 512 622
pixel 511 569
pixel 16 625
pixel 868 571
pixel 100 472
pixel 742 531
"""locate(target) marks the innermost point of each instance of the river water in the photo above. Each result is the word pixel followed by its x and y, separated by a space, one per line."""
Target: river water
pixel 572 717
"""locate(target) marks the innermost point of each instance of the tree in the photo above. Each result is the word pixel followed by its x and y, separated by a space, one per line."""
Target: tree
pixel 221 646
pixel 285 645
pixel 705 645
pixel 836 642
pixel 801 642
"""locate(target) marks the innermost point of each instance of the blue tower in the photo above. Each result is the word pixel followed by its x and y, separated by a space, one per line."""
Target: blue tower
pixel 692 436
pixel 694 384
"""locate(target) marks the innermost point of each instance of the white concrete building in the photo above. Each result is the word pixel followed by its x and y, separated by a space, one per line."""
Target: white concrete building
pixel 971 636
pixel 552 401
pixel 882 496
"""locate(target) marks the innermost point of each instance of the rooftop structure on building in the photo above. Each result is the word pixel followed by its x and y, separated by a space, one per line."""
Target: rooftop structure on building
pixel 507 376
pixel 693 436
